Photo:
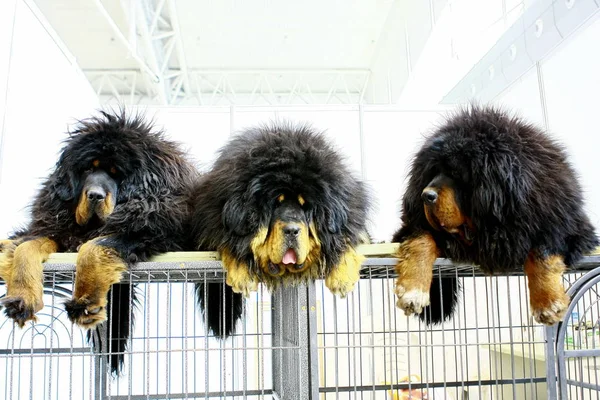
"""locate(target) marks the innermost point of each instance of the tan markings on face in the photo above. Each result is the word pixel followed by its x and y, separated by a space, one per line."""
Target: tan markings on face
pixel 313 255
pixel 445 212
pixel 269 247
pixel 106 207
pixel 96 163
pixel 281 198
pixel 301 200
pixel 82 212
pixel 103 209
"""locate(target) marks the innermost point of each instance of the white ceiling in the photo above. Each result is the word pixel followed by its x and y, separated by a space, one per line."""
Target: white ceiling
pixel 317 47
pixel 281 34
pixel 86 33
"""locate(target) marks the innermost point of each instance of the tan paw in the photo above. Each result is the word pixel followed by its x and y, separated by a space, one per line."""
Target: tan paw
pixel 551 314
pixel 342 279
pixel 411 301
pixel 22 308
pixel 85 312
pixel 340 284
pixel 242 284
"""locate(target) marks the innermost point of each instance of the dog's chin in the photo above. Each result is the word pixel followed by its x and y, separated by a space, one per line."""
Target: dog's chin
pixel 275 269
pixel 98 218
pixel 296 268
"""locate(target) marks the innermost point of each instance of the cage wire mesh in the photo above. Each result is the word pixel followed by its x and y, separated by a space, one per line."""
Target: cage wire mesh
pixel 578 346
pixel 303 342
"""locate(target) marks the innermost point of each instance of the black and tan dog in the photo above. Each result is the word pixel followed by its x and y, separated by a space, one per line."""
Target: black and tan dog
pixel 281 207
pixel 490 189
pixel 119 194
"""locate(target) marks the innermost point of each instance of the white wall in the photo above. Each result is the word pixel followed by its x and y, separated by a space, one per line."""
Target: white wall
pixel 45 92
pixel 571 82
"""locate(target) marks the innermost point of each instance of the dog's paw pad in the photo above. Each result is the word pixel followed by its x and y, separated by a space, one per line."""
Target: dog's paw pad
pixel 411 301
pixel 85 313
pixel 19 310
pixel 552 314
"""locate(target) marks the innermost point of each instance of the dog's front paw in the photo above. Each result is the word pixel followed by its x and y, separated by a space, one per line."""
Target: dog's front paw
pixel 245 286
pixel 342 279
pixel 340 284
pixel 412 301
pixel 86 313
pixel 551 313
pixel 20 309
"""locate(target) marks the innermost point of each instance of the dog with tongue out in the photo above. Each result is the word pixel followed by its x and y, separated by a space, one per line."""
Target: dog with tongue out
pixel 282 207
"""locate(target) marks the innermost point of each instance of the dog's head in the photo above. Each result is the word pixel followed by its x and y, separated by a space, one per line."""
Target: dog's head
pixel 289 203
pixel 446 208
pixel 290 242
pixel 100 157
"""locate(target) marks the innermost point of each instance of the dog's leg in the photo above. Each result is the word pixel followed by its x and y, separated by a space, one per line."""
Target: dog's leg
pixel 238 275
pixel 547 295
pixel 98 267
pixel 22 270
pixel 343 277
pixel 416 257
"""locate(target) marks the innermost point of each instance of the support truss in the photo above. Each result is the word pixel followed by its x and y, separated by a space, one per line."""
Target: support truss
pixel 226 87
pixel 154 40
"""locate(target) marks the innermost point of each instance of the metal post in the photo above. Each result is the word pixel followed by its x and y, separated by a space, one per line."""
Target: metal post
pixel 550 333
pixel 100 362
pixel 295 358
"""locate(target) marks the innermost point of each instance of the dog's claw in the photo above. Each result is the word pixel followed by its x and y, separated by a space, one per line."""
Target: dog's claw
pixel 411 301
pixel 85 314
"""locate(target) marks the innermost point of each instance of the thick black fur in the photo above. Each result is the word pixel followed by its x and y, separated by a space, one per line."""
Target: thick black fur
pixel 152 207
pixel 513 181
pixel 239 195
pixel 122 301
pixel 221 308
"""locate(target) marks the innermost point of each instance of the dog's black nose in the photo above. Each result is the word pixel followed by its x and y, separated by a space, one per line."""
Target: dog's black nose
pixel 291 230
pixel 429 196
pixel 96 194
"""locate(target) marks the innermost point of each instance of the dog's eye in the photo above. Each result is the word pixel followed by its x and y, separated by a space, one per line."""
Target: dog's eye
pixel 301 200
pixel 96 163
pixel 113 170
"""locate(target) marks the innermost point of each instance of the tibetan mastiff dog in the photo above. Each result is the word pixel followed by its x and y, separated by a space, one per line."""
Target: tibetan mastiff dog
pixel 490 189
pixel 281 207
pixel 119 194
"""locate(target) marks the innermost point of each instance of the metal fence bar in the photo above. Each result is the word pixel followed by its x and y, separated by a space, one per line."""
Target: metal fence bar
pixel 292 340
pixel 295 344
pixel 550 335
pixel 577 291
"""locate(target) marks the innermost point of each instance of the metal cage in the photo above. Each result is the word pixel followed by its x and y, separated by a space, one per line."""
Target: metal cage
pixel 304 343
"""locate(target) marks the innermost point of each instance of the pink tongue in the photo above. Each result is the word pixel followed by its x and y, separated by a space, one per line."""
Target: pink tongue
pixel 289 257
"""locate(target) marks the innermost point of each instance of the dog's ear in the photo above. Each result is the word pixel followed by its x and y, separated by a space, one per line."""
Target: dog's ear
pixel 239 216
pixel 498 190
pixel 64 184
pixel 337 217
